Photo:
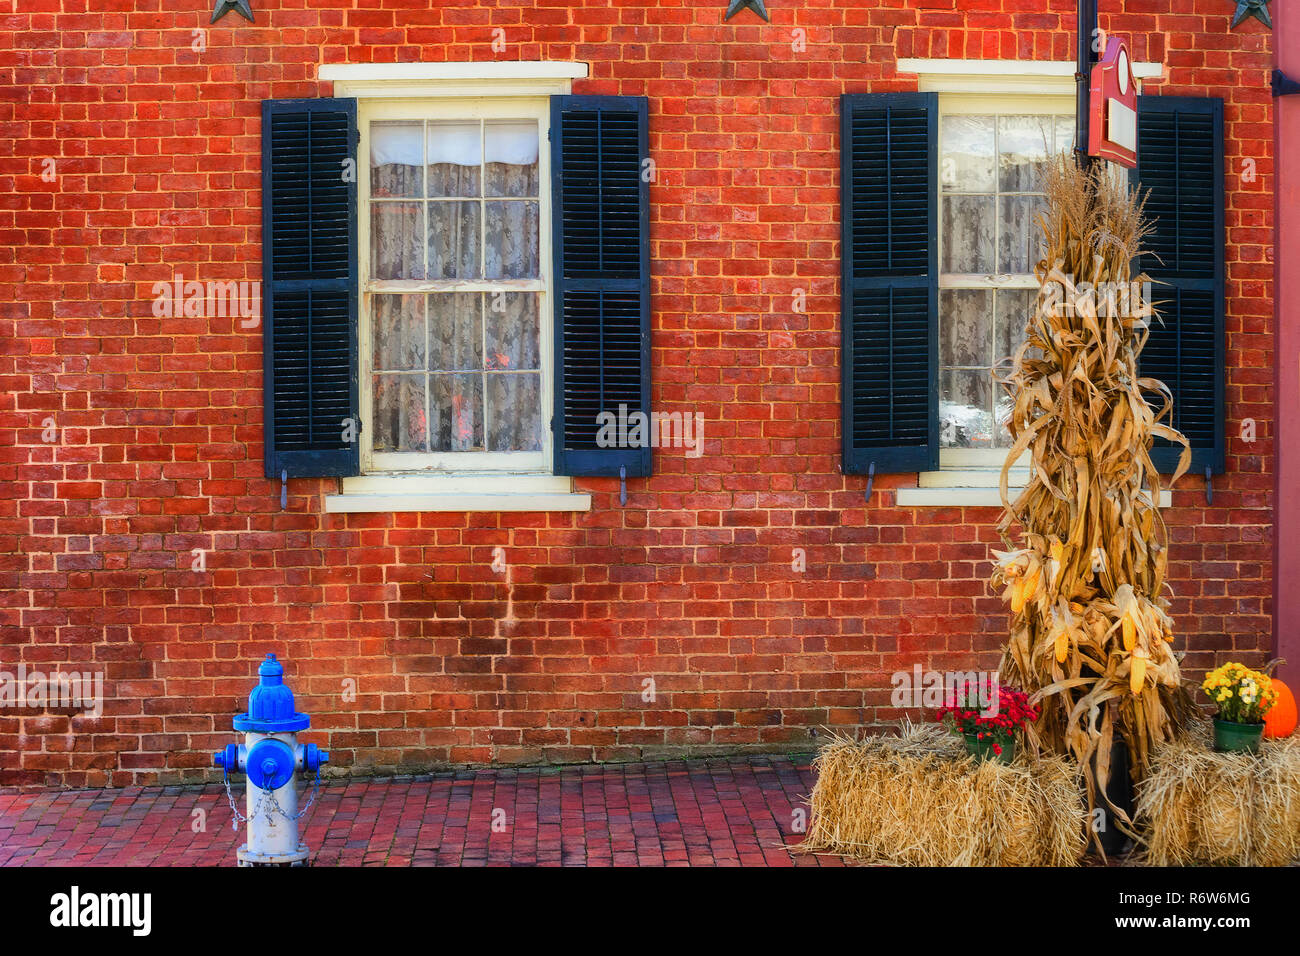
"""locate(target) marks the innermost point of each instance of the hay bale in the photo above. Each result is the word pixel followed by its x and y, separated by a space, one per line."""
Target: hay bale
pixel 1199 807
pixel 920 800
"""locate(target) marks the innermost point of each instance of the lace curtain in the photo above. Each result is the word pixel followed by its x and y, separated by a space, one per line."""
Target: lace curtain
pixel 455 371
pixel 481 217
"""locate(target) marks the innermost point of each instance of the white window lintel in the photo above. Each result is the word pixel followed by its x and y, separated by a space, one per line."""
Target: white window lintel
pixel 1005 76
pixel 453 79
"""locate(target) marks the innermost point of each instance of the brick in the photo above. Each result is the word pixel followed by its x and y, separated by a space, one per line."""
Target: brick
pixel 158 158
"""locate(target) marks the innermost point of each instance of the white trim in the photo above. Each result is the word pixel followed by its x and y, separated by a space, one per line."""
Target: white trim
pixel 985 459
pixel 479 109
pixel 973 487
pixel 1141 70
pixel 427 483
pixel 453 462
pixel 512 70
pixel 416 286
pixel 970 497
pixel 970 478
pixel 961 280
pixel 950 497
pixel 452 79
pixel 387 504
pixel 464 492
pixel 1005 76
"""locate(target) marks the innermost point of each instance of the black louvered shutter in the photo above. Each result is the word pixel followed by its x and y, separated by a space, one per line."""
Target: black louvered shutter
pixel 601 246
pixel 309 268
pixel 890 282
pixel 1180 169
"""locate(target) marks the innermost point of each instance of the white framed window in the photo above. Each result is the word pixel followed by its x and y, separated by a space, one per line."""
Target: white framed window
pixel 993 151
pixel 988 110
pixel 455 328
pixel 427 335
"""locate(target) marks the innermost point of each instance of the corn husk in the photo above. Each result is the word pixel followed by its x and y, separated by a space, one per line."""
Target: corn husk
pixel 1091 640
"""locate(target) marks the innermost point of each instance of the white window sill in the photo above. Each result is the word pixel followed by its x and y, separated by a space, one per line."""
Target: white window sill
pixel 970 489
pixel 464 492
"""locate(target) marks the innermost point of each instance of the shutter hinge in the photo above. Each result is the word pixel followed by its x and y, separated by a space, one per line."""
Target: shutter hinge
pixel 284 489
pixel 1283 85
pixel 1209 486
pixel 622 485
pixel 871 480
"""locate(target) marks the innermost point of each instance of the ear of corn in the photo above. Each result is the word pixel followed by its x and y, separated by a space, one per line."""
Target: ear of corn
pixel 1090 510
pixel 1031 584
pixel 1137 671
pixel 1017 595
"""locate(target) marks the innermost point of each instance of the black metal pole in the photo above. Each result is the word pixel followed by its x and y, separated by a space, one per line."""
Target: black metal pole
pixel 1119 787
pixel 1087 23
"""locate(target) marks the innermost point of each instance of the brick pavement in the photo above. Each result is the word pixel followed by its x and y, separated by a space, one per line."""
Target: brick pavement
pixel 716 812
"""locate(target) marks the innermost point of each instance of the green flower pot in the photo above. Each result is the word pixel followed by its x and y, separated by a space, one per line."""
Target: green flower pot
pixel 983 750
pixel 1237 738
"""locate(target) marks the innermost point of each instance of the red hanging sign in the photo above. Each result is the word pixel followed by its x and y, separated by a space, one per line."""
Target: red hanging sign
pixel 1112 126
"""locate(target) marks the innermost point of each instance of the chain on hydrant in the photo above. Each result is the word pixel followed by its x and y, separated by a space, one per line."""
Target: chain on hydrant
pixel 271 757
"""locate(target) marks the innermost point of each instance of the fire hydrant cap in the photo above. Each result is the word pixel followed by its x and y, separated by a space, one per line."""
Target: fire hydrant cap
pixel 270 705
pixel 270 764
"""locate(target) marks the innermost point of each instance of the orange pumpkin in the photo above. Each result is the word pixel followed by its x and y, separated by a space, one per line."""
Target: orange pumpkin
pixel 1280 720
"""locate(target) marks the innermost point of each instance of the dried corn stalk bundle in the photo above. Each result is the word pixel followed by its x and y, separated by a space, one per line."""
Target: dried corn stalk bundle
pixel 1090 629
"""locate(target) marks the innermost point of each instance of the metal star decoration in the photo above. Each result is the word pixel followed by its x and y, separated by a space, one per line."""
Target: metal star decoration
pixel 756 5
pixel 223 7
pixel 1252 8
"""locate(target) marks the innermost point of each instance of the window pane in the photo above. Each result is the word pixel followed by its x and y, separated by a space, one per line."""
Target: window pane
pixel 967 163
pixel 510 155
pixel 453 240
pixel 1064 134
pixel 512 240
pixel 1024 143
pixel 514 403
pixel 396 159
pixel 455 332
pixel 455 153
pixel 965 327
pixel 1003 406
pixel 400 423
pixel 1014 307
pixel 513 340
pixel 1020 243
pixel 398 332
pixel 456 408
pixel 965 403
pixel 396 232
pixel 968 234
pixel 456 372
pixel 990 230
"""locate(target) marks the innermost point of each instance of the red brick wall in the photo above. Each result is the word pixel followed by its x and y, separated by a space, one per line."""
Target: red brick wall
pixel 156 149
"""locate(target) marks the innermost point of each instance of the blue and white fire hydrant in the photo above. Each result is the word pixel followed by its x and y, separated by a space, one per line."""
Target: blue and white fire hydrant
pixel 271 756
